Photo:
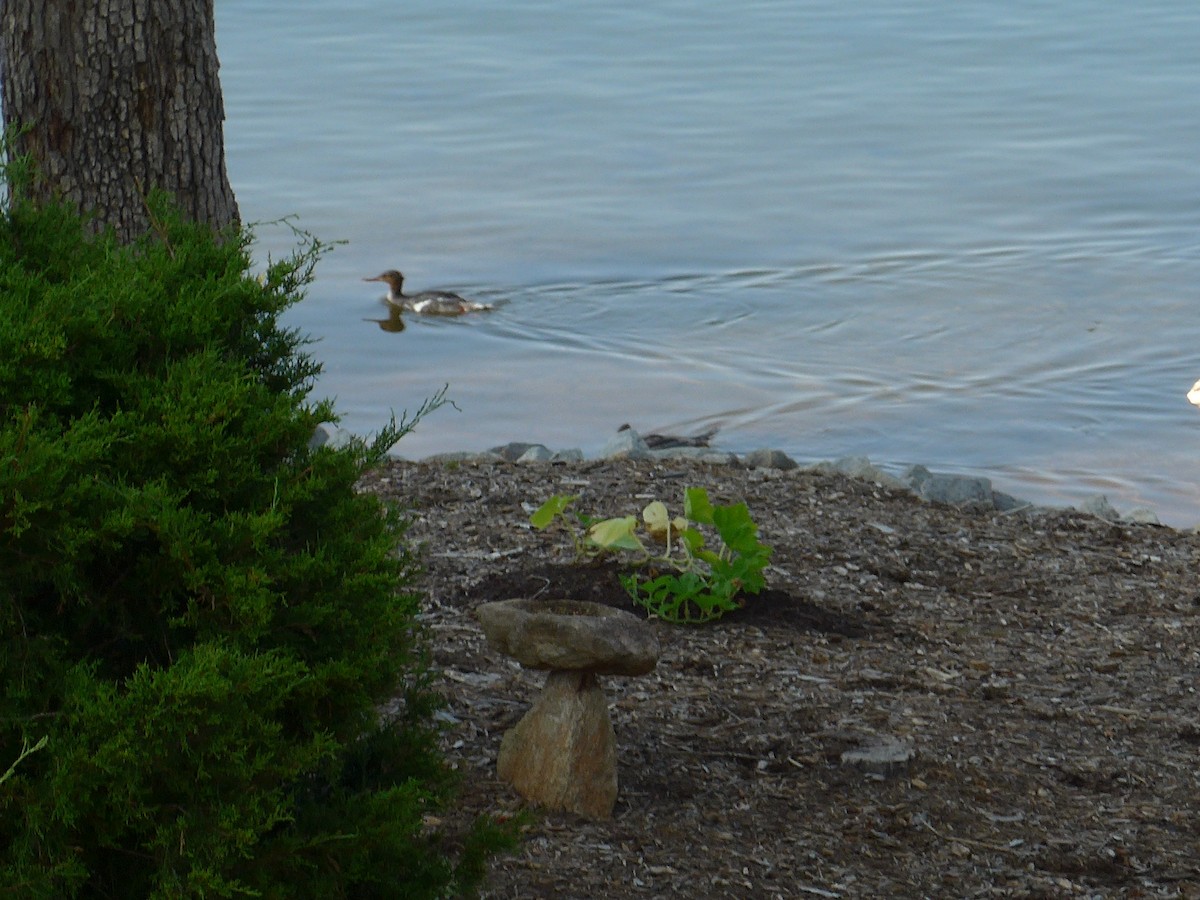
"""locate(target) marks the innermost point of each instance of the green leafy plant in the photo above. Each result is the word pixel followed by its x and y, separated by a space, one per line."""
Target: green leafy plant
pixel 681 579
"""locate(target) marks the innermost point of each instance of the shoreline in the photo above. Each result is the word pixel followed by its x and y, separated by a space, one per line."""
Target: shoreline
pixel 962 491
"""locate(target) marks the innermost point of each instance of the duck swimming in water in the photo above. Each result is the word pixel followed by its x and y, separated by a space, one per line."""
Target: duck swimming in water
pixel 429 303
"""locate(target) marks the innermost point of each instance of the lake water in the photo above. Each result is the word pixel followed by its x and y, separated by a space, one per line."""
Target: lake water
pixel 954 232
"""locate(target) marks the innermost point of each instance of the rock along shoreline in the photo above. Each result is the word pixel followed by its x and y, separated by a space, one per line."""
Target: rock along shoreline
pixel 964 491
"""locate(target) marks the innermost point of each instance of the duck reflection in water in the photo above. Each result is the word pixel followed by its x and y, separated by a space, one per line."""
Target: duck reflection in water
pixel 394 322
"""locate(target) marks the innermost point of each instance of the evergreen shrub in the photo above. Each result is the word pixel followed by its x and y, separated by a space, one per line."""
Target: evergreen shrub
pixel 200 617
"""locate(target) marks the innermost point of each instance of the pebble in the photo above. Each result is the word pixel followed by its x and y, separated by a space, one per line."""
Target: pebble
pixel 883 756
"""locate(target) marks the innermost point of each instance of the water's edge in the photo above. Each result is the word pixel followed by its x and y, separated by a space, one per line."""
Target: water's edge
pixel 970 491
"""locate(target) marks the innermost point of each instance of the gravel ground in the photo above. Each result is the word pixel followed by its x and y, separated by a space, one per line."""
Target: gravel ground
pixel 1031 675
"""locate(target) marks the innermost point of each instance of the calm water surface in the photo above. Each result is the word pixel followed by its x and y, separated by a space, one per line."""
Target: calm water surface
pixel 959 233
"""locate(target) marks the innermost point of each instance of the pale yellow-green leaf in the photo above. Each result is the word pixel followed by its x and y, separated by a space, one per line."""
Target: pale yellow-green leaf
pixel 616 534
pixel 657 519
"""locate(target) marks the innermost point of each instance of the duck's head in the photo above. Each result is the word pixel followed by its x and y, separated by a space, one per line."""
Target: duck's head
pixel 394 280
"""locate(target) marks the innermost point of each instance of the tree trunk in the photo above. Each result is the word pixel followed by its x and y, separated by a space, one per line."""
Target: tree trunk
pixel 119 96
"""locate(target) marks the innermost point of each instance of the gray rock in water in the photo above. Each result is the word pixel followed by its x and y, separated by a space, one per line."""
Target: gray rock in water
pixel 626 444
pixel 1142 515
pixel 858 467
pixel 915 476
pixel 956 490
pixel 513 450
pixel 1007 502
pixel 563 753
pixel 768 459
pixel 1099 507
pixel 536 453
pixel 570 634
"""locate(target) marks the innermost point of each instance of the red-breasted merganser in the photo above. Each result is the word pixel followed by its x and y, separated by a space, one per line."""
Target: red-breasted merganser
pixel 430 303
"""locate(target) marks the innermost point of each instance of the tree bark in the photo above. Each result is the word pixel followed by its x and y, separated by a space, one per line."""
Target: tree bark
pixel 119 96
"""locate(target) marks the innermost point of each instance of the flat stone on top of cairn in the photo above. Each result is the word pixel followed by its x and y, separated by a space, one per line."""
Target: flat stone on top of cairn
pixel 570 634
pixel 563 752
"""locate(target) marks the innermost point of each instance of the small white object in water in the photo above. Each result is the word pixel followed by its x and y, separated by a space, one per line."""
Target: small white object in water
pixel 1194 394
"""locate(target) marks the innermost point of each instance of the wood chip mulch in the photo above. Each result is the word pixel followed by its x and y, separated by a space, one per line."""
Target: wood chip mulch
pixel 1031 677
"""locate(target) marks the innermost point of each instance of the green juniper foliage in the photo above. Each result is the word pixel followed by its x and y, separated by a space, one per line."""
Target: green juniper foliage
pixel 200 616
